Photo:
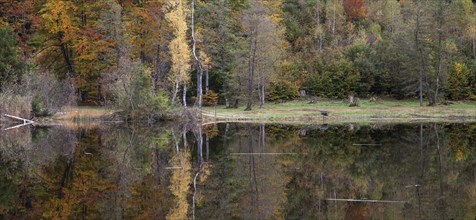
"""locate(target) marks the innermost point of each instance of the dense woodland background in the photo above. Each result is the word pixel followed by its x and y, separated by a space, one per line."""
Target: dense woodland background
pixel 146 55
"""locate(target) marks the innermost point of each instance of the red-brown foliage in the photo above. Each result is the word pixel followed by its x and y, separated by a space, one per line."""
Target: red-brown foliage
pixel 355 9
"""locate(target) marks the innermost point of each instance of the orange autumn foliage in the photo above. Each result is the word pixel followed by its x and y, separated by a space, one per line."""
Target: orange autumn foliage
pixel 355 9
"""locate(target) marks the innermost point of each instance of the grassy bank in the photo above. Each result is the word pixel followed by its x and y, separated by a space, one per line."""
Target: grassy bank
pixel 386 110
pixel 83 114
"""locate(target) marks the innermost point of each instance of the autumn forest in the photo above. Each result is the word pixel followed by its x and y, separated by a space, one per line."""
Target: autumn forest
pixel 146 56
pixel 238 109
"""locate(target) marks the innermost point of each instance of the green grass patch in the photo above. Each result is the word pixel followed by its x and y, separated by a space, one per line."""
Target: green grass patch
pixel 340 111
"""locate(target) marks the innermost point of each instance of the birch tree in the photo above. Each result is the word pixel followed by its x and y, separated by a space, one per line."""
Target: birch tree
pixel 197 60
pixel 179 49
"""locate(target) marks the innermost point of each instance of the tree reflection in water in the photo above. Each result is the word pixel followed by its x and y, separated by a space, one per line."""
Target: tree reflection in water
pixel 250 171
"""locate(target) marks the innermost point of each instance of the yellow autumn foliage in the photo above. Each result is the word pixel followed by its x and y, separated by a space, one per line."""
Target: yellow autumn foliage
pixel 179 49
pixel 57 19
pixel 180 185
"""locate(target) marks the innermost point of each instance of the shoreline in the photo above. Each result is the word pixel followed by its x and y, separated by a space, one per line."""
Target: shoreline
pixel 341 121
pixel 339 112
pixel 292 112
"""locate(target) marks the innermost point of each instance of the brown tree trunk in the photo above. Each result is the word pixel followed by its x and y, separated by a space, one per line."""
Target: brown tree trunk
pixel 207 146
pixel 474 48
pixel 142 54
pixel 420 50
pixel 251 66
pixel 175 91
pixel 440 157
pixel 440 51
pixel 156 68
pixel 318 24
pixel 118 34
pixel 227 102
pixel 67 56
pixel 262 135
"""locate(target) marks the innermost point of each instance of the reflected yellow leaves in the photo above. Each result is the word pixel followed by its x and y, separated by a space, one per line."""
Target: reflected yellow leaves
pixel 180 185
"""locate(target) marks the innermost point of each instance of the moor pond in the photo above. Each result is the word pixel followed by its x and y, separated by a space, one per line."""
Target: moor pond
pixel 239 171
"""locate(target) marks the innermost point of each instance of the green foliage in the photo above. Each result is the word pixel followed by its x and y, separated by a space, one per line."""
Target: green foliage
pixel 365 62
pixel 338 80
pixel 137 96
pixel 38 107
pixel 461 83
pixel 9 60
pixel 282 90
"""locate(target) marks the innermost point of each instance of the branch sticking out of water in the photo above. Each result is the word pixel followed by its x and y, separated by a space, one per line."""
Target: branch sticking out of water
pixel 366 200
pixel 240 154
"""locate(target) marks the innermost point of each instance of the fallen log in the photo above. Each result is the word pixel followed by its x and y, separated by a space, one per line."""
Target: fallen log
pixel 17 126
pixel 25 121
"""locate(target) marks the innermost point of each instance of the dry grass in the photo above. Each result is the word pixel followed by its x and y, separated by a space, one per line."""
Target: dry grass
pixel 15 105
pixel 83 114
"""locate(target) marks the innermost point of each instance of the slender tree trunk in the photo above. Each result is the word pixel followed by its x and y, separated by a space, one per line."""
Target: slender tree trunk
pixel 100 94
pixel 67 56
pixel 261 90
pixel 184 95
pixel 199 89
pixel 420 50
pixel 262 135
pixel 440 159
pixel 142 54
pixel 156 68
pixel 251 67
pixel 250 75
pixel 199 137
pixel 207 146
pixel 474 48
pixel 118 34
pixel 334 19
pixel 224 79
pixel 184 138
pixel 175 91
pixel 440 51
pixel 199 64
pixel 318 25
pixel 206 81
pixel 200 144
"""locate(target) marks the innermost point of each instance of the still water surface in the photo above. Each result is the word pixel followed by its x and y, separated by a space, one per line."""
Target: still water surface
pixel 239 171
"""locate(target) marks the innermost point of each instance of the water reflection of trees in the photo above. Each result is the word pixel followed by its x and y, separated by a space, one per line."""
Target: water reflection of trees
pixel 245 183
pixel 384 162
pixel 99 172
pixel 124 171
pixel 406 166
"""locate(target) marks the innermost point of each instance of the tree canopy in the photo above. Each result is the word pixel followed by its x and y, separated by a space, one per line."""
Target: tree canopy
pixel 249 49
